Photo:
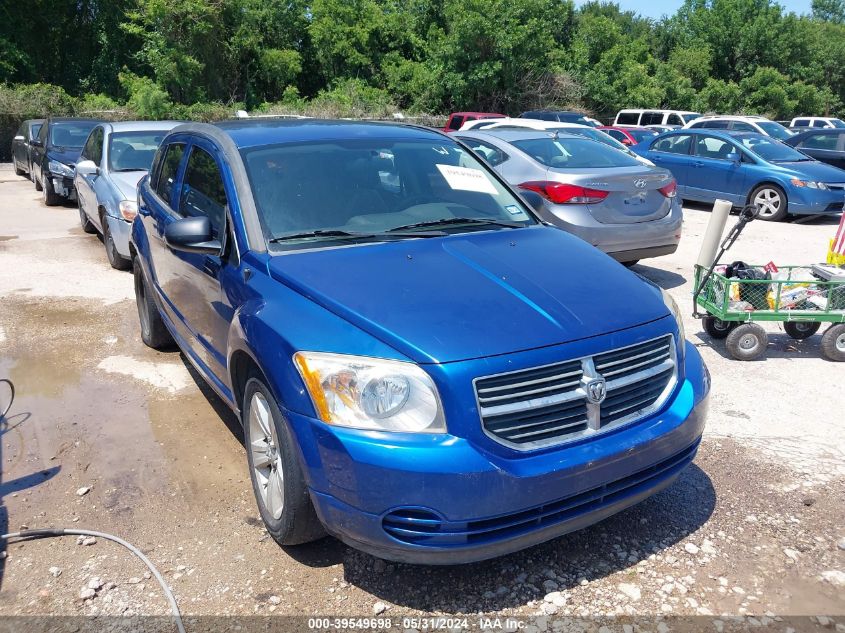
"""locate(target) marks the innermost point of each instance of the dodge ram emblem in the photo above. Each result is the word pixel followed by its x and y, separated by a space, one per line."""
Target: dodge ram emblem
pixel 596 390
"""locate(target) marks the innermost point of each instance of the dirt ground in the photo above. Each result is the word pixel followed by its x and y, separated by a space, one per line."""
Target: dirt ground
pixel 752 535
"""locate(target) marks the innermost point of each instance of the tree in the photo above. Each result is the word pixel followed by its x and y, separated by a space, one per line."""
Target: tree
pixel 829 10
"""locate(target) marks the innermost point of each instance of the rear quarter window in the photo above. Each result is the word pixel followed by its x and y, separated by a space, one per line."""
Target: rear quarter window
pixel 627 118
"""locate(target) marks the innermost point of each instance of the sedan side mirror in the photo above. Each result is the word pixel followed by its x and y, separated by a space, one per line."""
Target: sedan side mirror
pixel 87 168
pixel 734 157
pixel 192 235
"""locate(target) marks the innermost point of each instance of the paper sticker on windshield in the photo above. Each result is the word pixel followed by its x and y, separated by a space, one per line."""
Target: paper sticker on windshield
pixel 467 179
pixel 516 212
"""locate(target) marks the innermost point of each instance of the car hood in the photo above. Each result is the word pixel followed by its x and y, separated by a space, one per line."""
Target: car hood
pixel 127 182
pixel 474 295
pixel 66 155
pixel 814 170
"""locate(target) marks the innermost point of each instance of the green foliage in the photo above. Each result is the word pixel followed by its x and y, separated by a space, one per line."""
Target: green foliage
pixel 203 59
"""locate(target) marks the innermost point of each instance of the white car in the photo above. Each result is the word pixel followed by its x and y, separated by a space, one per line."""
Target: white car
pixel 553 126
pixel 737 123
pixel 817 122
pixel 638 117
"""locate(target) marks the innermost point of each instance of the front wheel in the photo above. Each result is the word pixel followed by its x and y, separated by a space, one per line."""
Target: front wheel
pixel 277 479
pixel 717 328
pixel 154 332
pixel 770 201
pixel 799 330
pixel 85 222
pixel 747 341
pixel 51 198
pixel 117 261
pixel 833 343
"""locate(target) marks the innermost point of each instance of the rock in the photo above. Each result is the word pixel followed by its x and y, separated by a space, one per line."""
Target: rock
pixel 631 591
pixel 723 582
pixel 548 609
pixel 808 501
pixel 739 591
pixel 95 583
pixel 488 595
pixel 667 588
pixel 89 540
pixel 691 548
pixel 834 576
pixel 86 593
pixel 791 553
pixel 549 585
pixel 840 627
pixel 379 608
pixel 662 628
pixel 824 621
pixel 708 548
pixel 79 539
pixel 556 598
pixel 719 626
pixel 81 492
pixel 55 572
pixel 841 543
pixel 134 580
pixel 274 600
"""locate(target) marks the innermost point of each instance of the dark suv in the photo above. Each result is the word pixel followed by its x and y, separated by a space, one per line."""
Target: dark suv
pixel 54 155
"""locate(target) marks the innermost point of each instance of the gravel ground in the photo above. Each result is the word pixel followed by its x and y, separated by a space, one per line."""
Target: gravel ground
pixel 109 435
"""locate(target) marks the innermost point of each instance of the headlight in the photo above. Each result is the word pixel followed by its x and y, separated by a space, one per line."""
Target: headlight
pixel 128 209
pixel 61 169
pixel 676 312
pixel 810 184
pixel 371 393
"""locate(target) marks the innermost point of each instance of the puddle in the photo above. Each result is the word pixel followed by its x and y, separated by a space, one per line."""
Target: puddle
pixel 168 376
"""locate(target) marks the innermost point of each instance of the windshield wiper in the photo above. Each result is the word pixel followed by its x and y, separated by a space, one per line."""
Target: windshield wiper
pixel 448 221
pixel 352 234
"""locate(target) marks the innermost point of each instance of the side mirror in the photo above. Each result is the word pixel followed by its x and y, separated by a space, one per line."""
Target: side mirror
pixel 35 142
pixel 192 235
pixel 534 199
pixel 734 157
pixel 19 137
pixel 87 168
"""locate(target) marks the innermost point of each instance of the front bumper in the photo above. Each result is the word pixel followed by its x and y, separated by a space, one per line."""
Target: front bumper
pixel 441 499
pixel 121 230
pixel 806 201
pixel 63 185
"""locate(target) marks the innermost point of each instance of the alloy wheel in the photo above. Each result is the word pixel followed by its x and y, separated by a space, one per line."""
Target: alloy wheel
pixel 266 459
pixel 768 202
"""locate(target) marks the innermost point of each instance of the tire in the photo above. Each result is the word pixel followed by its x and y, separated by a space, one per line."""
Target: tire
pixel 154 332
pixel 833 343
pixel 117 261
pixel 86 224
pixel 35 180
pixel 717 328
pixel 799 330
pixel 747 341
pixel 770 201
pixel 49 195
pixel 277 479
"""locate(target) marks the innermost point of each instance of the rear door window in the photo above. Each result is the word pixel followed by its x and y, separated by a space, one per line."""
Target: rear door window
pixel 801 122
pixel 674 119
pixel 820 141
pixel 488 152
pixel 203 192
pixel 742 126
pixel 675 144
pixel 713 147
pixel 819 123
pixel 651 118
pixel 166 178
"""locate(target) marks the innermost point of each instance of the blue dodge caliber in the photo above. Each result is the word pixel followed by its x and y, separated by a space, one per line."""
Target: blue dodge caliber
pixel 422 368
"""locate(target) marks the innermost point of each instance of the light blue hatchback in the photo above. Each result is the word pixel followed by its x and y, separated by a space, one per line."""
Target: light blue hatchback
pixel 747 168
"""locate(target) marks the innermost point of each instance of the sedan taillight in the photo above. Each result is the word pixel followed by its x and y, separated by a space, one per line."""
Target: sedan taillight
pixel 670 190
pixel 562 193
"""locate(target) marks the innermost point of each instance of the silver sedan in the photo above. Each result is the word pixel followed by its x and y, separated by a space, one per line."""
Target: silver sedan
pixel 115 157
pixel 619 205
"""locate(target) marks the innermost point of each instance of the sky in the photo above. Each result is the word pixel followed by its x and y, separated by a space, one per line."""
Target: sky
pixel 658 8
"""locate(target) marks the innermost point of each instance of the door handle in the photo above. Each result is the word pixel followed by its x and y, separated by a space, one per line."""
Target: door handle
pixel 698 163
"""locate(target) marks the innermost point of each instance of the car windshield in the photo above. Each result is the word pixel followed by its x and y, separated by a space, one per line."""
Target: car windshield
pixel 775 130
pixel 771 150
pixel 691 116
pixel 70 133
pixel 574 153
pixel 133 151
pixel 642 135
pixel 363 189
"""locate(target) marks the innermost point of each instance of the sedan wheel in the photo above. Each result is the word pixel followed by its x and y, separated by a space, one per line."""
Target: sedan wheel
pixel 266 460
pixel 770 201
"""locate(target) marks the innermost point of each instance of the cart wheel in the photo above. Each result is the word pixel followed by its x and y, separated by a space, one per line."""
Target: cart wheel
pixel 747 341
pixel 799 330
pixel 833 342
pixel 717 328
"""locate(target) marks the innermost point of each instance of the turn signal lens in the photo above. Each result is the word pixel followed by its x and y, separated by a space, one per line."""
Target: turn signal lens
pixel 128 210
pixel 670 190
pixel 562 193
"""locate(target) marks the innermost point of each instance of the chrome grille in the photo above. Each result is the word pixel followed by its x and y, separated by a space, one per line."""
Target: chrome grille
pixel 549 405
